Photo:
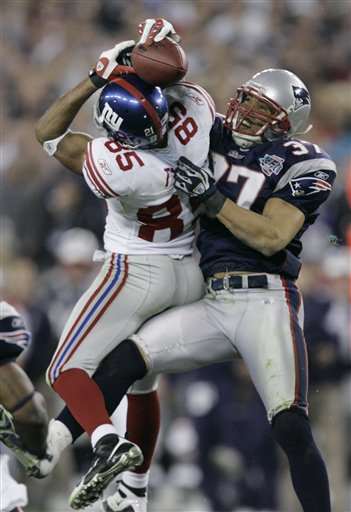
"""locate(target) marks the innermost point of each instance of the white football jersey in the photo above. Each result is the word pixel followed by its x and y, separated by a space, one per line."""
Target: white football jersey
pixel 145 213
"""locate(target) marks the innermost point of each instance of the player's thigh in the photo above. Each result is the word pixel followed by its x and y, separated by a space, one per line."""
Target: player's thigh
pixel 271 341
pixel 127 291
pixel 190 285
pixel 182 339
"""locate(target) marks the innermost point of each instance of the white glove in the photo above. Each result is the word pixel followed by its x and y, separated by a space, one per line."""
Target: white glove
pixel 107 65
pixel 155 30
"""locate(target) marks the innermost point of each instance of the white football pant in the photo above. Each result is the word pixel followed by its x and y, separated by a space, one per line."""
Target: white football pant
pixel 263 326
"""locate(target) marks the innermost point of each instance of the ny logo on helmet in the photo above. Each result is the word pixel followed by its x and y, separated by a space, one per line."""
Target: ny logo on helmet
pixel 111 118
pixel 301 96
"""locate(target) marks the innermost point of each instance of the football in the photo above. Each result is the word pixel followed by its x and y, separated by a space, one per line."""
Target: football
pixel 162 63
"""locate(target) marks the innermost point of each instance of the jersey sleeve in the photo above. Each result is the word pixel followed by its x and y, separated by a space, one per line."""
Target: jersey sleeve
pixel 101 171
pixel 196 111
pixel 217 131
pixel 306 185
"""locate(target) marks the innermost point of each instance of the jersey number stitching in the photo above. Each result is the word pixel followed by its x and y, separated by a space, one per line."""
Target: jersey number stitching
pixel 153 222
pixel 185 128
pixel 125 159
pixel 299 148
pixel 249 188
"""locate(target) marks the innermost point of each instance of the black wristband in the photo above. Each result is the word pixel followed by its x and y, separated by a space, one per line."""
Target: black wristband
pixel 214 204
pixel 97 81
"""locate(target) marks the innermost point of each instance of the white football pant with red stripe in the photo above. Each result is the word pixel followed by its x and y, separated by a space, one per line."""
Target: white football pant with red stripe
pixel 263 326
pixel 128 290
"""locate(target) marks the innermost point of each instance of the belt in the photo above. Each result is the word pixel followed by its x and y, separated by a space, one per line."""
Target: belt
pixel 237 282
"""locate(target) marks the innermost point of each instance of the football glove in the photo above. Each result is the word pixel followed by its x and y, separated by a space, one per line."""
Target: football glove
pixel 10 438
pixel 109 64
pixel 154 30
pixel 199 183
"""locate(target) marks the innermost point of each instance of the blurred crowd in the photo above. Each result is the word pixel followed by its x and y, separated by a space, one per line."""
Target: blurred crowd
pixel 215 453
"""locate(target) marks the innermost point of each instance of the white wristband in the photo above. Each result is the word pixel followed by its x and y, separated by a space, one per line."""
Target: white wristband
pixel 50 146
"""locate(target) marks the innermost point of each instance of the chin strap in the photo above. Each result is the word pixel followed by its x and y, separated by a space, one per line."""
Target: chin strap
pixel 243 142
pixel 309 127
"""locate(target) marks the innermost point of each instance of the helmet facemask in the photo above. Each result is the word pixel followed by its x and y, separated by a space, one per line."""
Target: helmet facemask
pixel 254 118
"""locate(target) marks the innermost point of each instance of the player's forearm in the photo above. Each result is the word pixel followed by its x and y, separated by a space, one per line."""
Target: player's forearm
pixel 27 406
pixel 255 230
pixel 60 115
pixel 31 425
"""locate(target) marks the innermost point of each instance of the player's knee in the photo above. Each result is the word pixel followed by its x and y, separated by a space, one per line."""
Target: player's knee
pixel 292 431
pixel 148 384
pixel 51 376
pixel 48 378
pixel 51 380
pixel 125 361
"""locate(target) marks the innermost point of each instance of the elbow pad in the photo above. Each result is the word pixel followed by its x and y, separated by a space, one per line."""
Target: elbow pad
pixel 50 146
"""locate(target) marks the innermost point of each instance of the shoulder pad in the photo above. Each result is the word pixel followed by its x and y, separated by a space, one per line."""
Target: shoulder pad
pixel 104 168
pixel 284 160
pixel 193 94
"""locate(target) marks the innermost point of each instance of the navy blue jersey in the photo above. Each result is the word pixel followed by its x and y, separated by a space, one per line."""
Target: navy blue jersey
pixel 293 170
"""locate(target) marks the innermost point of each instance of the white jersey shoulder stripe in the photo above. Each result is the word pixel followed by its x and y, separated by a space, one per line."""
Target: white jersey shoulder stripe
pixel 203 93
pixel 95 175
pixel 91 183
pixel 90 175
pixel 306 167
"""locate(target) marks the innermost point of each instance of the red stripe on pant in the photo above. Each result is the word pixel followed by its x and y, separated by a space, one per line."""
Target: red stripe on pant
pixel 102 311
pixel 300 390
pixel 90 300
pixel 74 385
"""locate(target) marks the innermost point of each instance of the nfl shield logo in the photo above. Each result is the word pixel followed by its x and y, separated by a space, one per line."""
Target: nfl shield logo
pixel 271 164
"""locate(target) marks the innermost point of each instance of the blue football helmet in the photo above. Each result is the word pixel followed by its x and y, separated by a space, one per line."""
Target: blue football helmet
pixel 132 112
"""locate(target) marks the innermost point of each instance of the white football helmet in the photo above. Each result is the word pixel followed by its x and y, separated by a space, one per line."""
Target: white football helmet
pixel 273 104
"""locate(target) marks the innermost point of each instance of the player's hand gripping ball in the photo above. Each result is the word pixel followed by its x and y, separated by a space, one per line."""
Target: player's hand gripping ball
pixel 158 58
pixel 108 67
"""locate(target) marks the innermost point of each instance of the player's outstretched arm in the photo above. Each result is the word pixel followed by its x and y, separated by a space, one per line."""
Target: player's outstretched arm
pixel 52 129
pixel 268 232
